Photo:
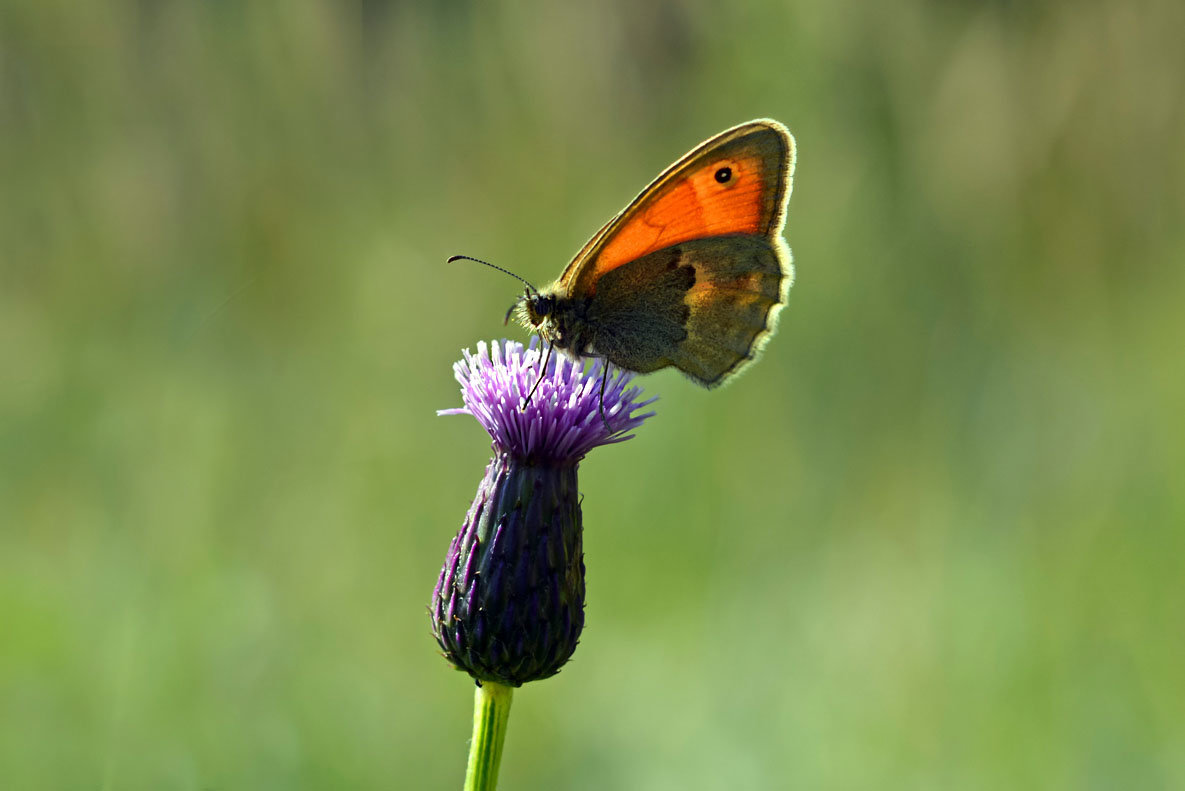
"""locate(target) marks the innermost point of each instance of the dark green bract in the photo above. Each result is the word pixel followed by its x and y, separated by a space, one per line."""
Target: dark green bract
pixel 509 603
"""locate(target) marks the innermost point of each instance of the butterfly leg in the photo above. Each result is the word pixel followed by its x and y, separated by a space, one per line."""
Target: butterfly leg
pixel 601 405
pixel 542 373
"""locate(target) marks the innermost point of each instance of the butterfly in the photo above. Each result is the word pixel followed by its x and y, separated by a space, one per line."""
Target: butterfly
pixel 691 274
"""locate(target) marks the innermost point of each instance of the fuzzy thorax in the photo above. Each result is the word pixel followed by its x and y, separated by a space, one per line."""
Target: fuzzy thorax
pixel 559 320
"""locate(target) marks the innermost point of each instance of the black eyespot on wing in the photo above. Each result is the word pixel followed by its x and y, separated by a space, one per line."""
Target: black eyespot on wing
pixel 723 175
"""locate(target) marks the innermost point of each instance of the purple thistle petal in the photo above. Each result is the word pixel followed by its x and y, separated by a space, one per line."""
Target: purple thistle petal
pixel 562 422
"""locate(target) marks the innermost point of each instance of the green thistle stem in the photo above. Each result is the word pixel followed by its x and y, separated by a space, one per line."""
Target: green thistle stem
pixel 491 710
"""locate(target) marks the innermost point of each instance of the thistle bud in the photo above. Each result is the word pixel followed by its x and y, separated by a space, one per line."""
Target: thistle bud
pixel 509 602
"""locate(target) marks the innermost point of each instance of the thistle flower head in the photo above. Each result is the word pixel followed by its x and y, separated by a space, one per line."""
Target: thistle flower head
pixel 562 422
pixel 509 602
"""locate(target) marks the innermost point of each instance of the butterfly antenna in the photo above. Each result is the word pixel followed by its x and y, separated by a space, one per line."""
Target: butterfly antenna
pixel 492 266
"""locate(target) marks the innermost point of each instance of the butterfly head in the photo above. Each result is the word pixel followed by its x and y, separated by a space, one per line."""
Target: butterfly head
pixel 542 312
pixel 538 308
pixel 532 309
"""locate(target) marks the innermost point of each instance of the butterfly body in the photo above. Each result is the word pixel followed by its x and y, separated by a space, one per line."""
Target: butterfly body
pixel 691 274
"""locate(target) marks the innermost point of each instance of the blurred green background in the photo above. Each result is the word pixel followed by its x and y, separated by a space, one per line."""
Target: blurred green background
pixel 933 540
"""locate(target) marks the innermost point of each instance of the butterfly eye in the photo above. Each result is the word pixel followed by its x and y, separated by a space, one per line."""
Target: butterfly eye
pixel 723 175
pixel 542 307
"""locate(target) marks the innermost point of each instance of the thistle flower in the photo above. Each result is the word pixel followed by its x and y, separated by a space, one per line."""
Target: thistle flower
pixel 508 606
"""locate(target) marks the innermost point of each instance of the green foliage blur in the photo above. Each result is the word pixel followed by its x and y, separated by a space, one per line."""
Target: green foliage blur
pixel 933 540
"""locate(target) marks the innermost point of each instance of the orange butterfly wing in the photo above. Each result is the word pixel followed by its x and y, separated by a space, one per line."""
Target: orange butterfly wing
pixel 736 183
